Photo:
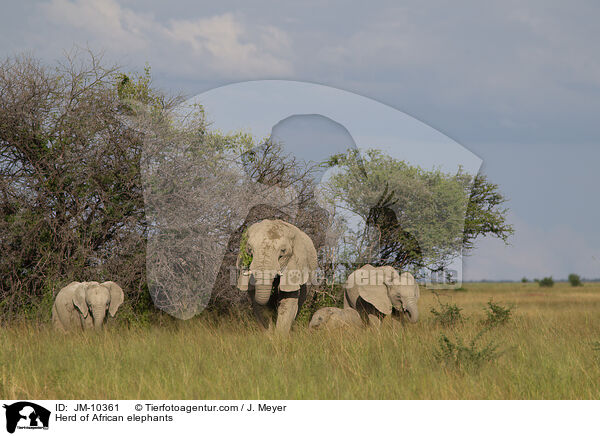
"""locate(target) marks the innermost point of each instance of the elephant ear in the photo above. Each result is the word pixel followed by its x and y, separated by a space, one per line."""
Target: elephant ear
pixel 371 288
pixel 116 297
pixel 408 285
pixel 303 261
pixel 393 281
pixel 79 298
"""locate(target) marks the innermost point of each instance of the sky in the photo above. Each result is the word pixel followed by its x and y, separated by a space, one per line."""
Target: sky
pixel 517 83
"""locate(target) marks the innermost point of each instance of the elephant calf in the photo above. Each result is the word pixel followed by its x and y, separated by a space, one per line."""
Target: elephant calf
pixel 334 318
pixel 84 305
pixel 379 291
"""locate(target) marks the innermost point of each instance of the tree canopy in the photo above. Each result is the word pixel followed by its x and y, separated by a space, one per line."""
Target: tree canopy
pixel 413 218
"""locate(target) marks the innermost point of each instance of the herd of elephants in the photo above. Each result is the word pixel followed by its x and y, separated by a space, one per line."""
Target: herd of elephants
pixel 284 263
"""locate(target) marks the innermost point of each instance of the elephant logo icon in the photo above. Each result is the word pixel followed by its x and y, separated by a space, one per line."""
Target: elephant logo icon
pixel 26 415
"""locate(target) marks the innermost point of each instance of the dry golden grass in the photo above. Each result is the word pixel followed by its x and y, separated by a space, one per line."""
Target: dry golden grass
pixel 548 354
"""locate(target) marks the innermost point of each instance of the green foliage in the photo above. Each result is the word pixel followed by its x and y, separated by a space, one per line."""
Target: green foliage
pixel 575 280
pixel 134 90
pixel 471 357
pixel 485 215
pixel 547 282
pixel 448 315
pixel 444 212
pixel 323 297
pixel 245 256
pixel 524 280
pixel 497 314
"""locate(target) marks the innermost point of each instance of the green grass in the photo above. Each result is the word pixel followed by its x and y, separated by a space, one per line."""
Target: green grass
pixel 547 353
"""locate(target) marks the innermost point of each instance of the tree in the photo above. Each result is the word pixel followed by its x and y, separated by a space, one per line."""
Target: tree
pixel 422 218
pixel 575 280
pixel 71 200
pixel 71 191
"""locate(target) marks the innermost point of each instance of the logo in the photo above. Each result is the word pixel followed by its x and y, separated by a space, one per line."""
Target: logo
pixel 26 415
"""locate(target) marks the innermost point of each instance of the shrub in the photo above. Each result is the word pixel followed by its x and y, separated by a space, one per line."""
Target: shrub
pixel 466 357
pixel 547 282
pixel 245 256
pixel 575 280
pixel 448 314
pixel 524 280
pixel 497 314
pixel 324 296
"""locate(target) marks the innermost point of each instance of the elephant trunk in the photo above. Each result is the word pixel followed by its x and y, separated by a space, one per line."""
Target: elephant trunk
pixel 411 309
pixel 262 294
pixel 263 268
pixel 98 313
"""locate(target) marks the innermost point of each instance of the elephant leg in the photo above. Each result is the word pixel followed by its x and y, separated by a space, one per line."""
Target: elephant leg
pixel 286 313
pixel 301 298
pixel 57 323
pixel 369 314
pixel 262 314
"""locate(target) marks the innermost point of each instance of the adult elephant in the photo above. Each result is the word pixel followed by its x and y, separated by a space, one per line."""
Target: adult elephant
pixel 284 261
pixel 85 304
pixel 379 291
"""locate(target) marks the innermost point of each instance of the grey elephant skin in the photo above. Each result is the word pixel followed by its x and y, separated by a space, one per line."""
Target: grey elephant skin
pixel 284 261
pixel 376 292
pixel 331 318
pixel 83 305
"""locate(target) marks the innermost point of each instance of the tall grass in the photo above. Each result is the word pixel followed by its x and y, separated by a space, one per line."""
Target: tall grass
pixel 547 346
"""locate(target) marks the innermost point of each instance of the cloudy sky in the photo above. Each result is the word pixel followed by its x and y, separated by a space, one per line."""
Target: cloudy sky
pixel 517 83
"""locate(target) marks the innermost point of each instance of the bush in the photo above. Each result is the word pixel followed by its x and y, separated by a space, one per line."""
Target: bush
pixel 448 314
pixel 497 314
pixel 322 297
pixel 547 282
pixel 466 357
pixel 575 280
pixel 245 256
pixel 524 280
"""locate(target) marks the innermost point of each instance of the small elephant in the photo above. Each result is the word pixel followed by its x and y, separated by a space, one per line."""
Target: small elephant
pixel 84 305
pixel 334 318
pixel 284 261
pixel 379 291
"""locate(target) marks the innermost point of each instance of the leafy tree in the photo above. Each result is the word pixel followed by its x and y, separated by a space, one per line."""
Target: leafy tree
pixel 575 280
pixel 414 218
pixel 72 139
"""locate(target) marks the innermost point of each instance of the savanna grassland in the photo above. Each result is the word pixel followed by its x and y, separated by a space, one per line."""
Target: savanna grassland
pixel 546 351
